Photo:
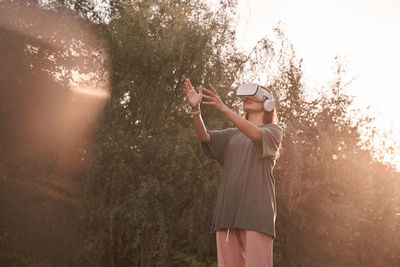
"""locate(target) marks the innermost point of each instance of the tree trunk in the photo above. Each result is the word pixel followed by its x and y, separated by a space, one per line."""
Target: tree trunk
pixel 143 249
pixel 150 254
pixel 165 254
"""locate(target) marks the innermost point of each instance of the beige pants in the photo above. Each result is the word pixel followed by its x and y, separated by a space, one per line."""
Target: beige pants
pixel 244 248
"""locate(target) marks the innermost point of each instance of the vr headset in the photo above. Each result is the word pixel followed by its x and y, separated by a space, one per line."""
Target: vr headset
pixel 256 93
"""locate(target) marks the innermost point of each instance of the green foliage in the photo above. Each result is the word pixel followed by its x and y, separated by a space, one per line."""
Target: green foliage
pixel 149 195
pixel 150 192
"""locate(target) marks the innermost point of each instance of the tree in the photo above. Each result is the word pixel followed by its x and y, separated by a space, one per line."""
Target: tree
pixel 327 179
pixel 148 196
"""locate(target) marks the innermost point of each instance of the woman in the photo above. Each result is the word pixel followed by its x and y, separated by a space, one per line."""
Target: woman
pixel 245 213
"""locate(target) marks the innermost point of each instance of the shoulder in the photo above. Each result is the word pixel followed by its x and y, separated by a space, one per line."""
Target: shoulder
pixel 231 131
pixel 272 129
pixel 227 130
pixel 272 126
pixel 222 133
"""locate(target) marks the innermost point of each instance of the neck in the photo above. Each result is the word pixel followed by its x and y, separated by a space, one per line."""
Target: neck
pixel 257 118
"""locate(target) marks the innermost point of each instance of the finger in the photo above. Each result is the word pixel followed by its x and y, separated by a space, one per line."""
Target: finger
pixel 207 96
pixel 186 85
pixel 201 89
pixel 208 103
pixel 185 89
pixel 189 83
pixel 208 91
pixel 212 88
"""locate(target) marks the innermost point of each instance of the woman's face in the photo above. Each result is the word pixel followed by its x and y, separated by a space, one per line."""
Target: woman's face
pixel 250 105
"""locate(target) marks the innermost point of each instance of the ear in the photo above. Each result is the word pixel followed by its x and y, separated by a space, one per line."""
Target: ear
pixel 269 105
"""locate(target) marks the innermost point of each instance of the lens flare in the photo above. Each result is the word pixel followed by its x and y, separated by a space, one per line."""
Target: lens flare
pixel 53 89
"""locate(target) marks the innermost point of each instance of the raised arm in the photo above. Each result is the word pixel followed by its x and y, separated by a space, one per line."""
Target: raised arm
pixel 248 128
pixel 194 100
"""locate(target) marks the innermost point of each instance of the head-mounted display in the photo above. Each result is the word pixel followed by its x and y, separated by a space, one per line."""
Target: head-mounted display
pixel 256 93
pixel 253 92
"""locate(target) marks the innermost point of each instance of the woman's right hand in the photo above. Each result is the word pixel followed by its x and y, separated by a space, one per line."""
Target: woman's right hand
pixel 192 96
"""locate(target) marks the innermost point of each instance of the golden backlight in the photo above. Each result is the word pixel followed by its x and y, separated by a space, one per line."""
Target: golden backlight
pixel 55 70
pixel 53 89
pixel 365 34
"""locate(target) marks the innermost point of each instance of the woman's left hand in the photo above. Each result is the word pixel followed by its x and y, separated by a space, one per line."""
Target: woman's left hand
pixel 213 99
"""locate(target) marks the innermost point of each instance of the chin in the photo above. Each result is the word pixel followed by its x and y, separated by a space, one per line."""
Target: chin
pixel 253 108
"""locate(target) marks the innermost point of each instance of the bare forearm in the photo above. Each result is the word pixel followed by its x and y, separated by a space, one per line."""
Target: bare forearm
pixel 200 128
pixel 248 128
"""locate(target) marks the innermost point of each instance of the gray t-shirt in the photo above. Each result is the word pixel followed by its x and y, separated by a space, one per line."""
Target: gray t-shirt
pixel 246 194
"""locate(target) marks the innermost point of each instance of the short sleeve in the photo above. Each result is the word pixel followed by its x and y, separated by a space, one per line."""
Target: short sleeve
pixel 271 138
pixel 219 140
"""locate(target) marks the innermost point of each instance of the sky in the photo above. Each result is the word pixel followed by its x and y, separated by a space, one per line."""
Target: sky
pixel 365 34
